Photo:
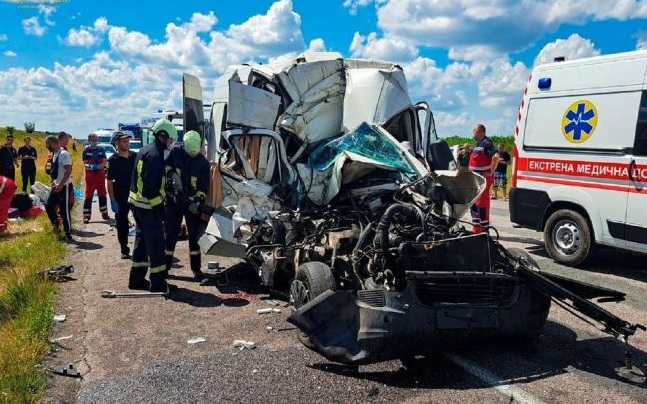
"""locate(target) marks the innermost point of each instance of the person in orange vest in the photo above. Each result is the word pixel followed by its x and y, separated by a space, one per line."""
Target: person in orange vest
pixel 7 190
pixel 483 160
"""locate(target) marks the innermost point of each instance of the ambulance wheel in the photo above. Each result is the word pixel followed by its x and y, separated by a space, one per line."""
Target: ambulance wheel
pixel 568 237
pixel 311 279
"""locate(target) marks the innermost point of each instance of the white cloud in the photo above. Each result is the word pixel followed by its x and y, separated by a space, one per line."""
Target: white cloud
pixel 31 26
pixel 202 22
pixel 3 37
pixel 80 37
pixel 574 47
pixel 372 47
pixel 267 36
pixel 464 93
pixel 474 52
pixel 47 12
pixel 353 5
pixel 10 54
pixel 101 25
pixel 276 32
pixel 137 75
pixel 317 45
pixel 502 25
pixel 87 36
pixel 504 83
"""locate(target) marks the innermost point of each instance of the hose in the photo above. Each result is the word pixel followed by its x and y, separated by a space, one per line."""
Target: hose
pixel 408 211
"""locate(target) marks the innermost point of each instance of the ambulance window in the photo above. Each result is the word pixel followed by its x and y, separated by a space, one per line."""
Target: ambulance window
pixel 640 145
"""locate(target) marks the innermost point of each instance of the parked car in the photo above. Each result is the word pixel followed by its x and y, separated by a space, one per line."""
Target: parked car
pixel 108 148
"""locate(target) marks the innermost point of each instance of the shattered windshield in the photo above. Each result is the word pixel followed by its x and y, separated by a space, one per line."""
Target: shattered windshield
pixel 365 141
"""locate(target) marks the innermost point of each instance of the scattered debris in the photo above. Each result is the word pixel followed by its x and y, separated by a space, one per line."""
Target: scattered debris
pixel 58 273
pixel 242 344
pixel 195 340
pixel 63 338
pixel 59 318
pixel 268 310
pixel 66 370
pixel 269 328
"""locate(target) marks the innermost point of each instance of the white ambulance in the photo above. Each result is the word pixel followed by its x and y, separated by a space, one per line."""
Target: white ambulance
pixel 580 156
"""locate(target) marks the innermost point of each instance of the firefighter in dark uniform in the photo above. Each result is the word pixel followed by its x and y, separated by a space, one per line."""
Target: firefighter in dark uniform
pixel 147 200
pixel 120 172
pixel 186 165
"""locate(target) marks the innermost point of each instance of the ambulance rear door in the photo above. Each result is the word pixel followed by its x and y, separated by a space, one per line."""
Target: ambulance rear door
pixel 636 223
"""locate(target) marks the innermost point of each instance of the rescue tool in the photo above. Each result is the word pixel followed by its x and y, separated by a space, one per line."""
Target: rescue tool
pixel 110 294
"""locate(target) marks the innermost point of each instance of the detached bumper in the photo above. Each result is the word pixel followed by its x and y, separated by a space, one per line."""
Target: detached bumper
pixel 376 325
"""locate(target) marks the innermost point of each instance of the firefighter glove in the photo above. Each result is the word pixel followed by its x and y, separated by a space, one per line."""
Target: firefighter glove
pixel 193 207
pixel 114 205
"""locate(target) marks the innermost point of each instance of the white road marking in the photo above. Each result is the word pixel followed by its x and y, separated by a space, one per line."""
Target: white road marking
pixel 493 380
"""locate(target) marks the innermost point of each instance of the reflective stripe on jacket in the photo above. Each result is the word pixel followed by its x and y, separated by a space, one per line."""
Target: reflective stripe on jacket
pixel 147 184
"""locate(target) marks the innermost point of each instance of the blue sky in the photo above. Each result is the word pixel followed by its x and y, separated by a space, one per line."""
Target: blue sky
pixel 77 65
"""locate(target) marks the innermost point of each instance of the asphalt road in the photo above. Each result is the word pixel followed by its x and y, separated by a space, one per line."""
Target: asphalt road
pixel 137 350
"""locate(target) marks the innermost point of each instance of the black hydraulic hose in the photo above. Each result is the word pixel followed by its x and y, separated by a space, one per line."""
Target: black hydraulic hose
pixel 408 211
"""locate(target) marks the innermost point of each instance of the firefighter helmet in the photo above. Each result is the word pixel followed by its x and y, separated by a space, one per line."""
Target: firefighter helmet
pixel 192 143
pixel 164 130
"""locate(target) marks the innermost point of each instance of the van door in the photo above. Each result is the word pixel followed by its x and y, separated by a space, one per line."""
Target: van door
pixel 636 221
pixel 193 110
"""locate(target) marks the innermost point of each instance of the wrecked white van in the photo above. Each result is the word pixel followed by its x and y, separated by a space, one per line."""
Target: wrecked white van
pixel 297 133
pixel 332 184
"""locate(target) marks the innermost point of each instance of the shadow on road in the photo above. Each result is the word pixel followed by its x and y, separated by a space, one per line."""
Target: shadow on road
pixel 607 261
pixel 84 233
pixel 86 245
pixel 619 263
pixel 513 363
pixel 195 299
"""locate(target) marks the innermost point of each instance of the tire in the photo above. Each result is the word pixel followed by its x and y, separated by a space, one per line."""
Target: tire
pixel 568 237
pixel 311 279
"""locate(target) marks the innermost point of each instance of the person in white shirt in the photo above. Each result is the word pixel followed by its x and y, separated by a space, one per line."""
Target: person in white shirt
pixel 61 186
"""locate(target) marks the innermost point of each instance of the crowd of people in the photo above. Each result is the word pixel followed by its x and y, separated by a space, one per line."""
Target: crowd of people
pixel 162 185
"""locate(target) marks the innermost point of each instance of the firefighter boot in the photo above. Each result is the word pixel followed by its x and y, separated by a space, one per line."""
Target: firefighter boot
pixel 169 262
pixel 195 267
pixel 137 279
pixel 159 284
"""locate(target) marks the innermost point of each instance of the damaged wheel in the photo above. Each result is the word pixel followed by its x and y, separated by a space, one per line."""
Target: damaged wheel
pixel 311 280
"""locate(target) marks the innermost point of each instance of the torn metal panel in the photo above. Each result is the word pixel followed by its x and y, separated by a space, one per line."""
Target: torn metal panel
pixel 219 238
pixel 316 91
pixel 252 107
pixel 374 95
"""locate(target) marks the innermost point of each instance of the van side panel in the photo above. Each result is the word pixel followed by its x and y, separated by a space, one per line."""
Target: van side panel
pixel 585 76
pixel 613 127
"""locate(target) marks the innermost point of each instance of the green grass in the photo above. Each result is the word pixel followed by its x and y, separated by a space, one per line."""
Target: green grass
pixel 26 300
